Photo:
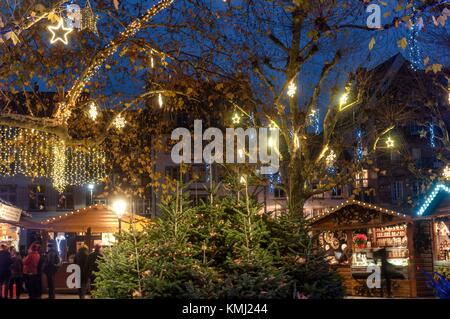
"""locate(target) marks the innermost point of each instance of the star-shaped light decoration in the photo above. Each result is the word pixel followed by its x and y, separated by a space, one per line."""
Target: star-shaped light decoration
pixel 446 172
pixel 55 29
pixel 236 118
pixel 423 133
pixel 119 122
pixel 292 89
pixel 390 142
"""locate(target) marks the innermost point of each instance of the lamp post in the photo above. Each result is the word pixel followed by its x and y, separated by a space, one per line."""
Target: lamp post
pixel 119 206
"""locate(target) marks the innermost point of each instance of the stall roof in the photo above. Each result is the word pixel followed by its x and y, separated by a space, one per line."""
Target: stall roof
pixel 99 218
pixel 362 204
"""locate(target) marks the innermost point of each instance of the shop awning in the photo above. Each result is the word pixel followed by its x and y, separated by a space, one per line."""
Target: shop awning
pixel 99 218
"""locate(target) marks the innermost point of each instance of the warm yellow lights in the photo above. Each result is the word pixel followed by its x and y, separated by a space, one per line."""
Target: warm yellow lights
pixel 390 142
pixel 57 29
pixel 292 89
pixel 243 180
pixel 160 100
pixel 344 99
pixel 330 159
pixel 93 111
pixel 446 172
pixel 236 118
pixel 119 207
pixel 119 122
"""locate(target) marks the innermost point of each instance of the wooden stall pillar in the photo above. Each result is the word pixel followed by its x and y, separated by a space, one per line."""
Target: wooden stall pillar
pixel 89 239
pixel 410 230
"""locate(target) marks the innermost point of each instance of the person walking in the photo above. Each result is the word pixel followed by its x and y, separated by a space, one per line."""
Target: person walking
pixel 5 272
pixel 92 265
pixel 81 260
pixel 50 267
pixel 31 272
pixel 16 273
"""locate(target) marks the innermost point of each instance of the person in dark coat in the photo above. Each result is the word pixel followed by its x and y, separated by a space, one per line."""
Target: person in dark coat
pixel 16 273
pixel 50 267
pixel 5 272
pixel 81 259
pixel 92 265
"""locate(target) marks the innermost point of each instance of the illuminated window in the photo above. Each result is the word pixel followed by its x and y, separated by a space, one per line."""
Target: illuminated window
pixel 9 193
pixel 362 179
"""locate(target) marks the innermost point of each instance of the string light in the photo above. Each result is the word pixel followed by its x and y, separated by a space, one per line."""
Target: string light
pixel 119 122
pixel 292 89
pixel 330 161
pixel 41 155
pixel 64 113
pixel 58 27
pixel 359 146
pixel 432 135
pixel 160 100
pixel 429 199
pixel 93 111
pixel 343 100
pixel 446 172
pixel 314 121
pixel 414 50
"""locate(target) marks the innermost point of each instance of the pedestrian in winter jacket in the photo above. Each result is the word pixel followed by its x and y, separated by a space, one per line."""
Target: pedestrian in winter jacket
pixel 81 260
pixel 16 273
pixel 50 267
pixel 31 271
pixel 5 273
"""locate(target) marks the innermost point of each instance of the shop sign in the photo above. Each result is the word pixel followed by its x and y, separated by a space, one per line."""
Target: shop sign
pixel 9 213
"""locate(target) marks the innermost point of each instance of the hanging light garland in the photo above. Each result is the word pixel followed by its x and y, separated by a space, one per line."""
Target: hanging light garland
pixel 41 155
pixel 446 172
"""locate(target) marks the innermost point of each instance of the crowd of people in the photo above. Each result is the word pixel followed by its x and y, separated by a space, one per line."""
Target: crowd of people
pixel 19 274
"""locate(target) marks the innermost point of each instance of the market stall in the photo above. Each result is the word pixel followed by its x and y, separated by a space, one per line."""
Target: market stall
pixel 433 218
pixel 90 226
pixel 362 240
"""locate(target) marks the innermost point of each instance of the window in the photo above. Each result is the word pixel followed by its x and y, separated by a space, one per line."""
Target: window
pixel 173 172
pixel 414 129
pixel 37 197
pixel 417 155
pixel 362 179
pixel 278 192
pixel 9 193
pixel 397 190
pixel 336 192
pixel 395 156
pixel 65 200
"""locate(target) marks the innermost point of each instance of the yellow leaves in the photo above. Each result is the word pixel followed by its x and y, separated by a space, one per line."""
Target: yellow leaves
pixel 53 17
pixel 219 86
pixel 371 43
pixel 387 14
pixel 436 68
pixel 313 34
pixel 383 3
pixel 399 7
pixel 402 43
pixel 107 66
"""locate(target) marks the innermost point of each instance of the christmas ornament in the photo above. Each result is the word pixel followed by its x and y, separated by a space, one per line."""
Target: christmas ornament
pixel 55 30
